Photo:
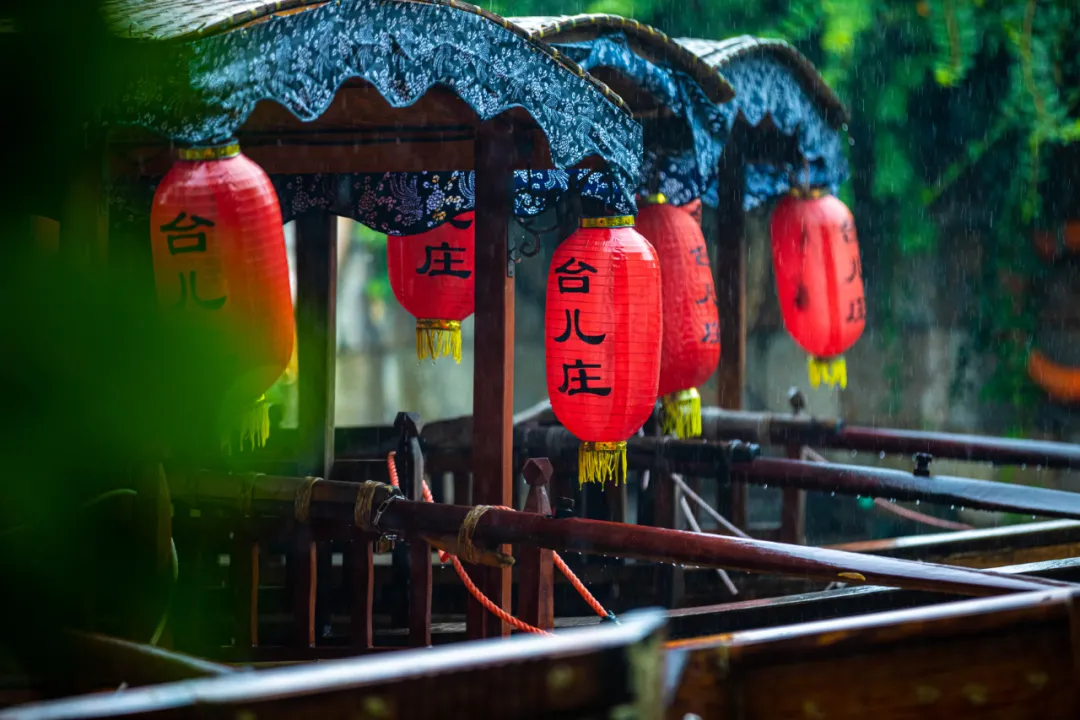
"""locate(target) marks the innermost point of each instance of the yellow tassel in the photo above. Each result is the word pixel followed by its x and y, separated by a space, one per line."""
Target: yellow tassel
pixel 681 414
pixel 832 372
pixel 438 338
pixel 253 427
pixel 599 462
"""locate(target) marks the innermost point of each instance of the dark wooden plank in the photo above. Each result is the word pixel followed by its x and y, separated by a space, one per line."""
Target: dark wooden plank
pixel 536 591
pixel 999 657
pixel 603 671
pixel 493 370
pixel 831 604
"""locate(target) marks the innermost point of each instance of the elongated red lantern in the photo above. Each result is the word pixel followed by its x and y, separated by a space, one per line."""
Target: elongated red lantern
pixel 218 249
pixel 819 280
pixel 432 277
pixel 690 350
pixel 603 329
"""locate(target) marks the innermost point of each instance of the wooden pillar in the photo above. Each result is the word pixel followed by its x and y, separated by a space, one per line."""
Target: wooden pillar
pixel 410 464
pixel 316 325
pixel 84 217
pixel 536 591
pixel 793 500
pixel 493 372
pixel 731 295
pixel 245 581
pixel 360 563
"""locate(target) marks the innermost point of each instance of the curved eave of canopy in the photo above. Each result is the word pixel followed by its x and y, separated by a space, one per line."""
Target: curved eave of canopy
pixel 777 90
pixel 723 54
pixel 214 61
pixel 648 42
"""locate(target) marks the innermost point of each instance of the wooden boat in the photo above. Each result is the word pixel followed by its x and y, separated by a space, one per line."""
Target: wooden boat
pixel 253 528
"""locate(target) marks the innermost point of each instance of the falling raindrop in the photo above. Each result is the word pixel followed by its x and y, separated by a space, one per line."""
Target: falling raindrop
pixel 854 453
pixel 1023 466
pixel 832 494
pixel 881 455
pixel 918 501
pixel 952 507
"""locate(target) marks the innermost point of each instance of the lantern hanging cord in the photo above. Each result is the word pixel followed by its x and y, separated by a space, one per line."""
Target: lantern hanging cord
pixel 465 533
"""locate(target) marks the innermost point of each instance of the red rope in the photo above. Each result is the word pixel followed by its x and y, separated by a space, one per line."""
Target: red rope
pixel 475 591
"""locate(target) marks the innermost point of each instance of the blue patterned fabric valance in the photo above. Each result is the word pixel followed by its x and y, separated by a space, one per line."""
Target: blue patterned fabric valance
pixel 393 203
pixel 410 203
pixel 203 91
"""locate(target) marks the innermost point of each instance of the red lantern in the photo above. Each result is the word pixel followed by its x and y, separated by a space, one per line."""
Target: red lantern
pixel 819 280
pixel 219 249
pixel 432 277
pixel 691 339
pixel 603 329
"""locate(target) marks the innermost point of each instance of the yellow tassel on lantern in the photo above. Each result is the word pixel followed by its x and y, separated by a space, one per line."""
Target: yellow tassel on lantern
pixel 832 372
pixel 599 462
pixel 681 414
pixel 438 338
pixel 252 427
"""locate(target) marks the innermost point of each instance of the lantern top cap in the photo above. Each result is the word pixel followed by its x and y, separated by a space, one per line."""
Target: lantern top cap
pixel 612 221
pixel 210 152
pixel 813 193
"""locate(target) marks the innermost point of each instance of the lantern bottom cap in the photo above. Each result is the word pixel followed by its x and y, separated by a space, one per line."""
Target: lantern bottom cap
pixel 681 413
pixel 252 428
pixel 829 371
pixel 436 338
pixel 599 462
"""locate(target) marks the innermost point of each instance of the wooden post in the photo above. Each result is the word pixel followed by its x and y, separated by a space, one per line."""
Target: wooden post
pixel 793 501
pixel 410 463
pixel 360 562
pixel 153 549
pixel 245 581
pixel 84 218
pixel 731 295
pixel 316 325
pixel 493 371
pixel 536 588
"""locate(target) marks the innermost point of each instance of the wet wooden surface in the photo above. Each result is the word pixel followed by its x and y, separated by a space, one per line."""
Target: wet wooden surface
pixel 989 658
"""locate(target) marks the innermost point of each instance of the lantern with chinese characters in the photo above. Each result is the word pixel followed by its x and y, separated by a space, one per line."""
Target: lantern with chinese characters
pixel 819 280
pixel 690 349
pixel 218 249
pixel 432 277
pixel 603 328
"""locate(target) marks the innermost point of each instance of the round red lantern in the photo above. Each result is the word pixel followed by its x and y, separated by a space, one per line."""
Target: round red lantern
pixel 819 280
pixel 690 350
pixel 432 277
pixel 218 249
pixel 603 330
